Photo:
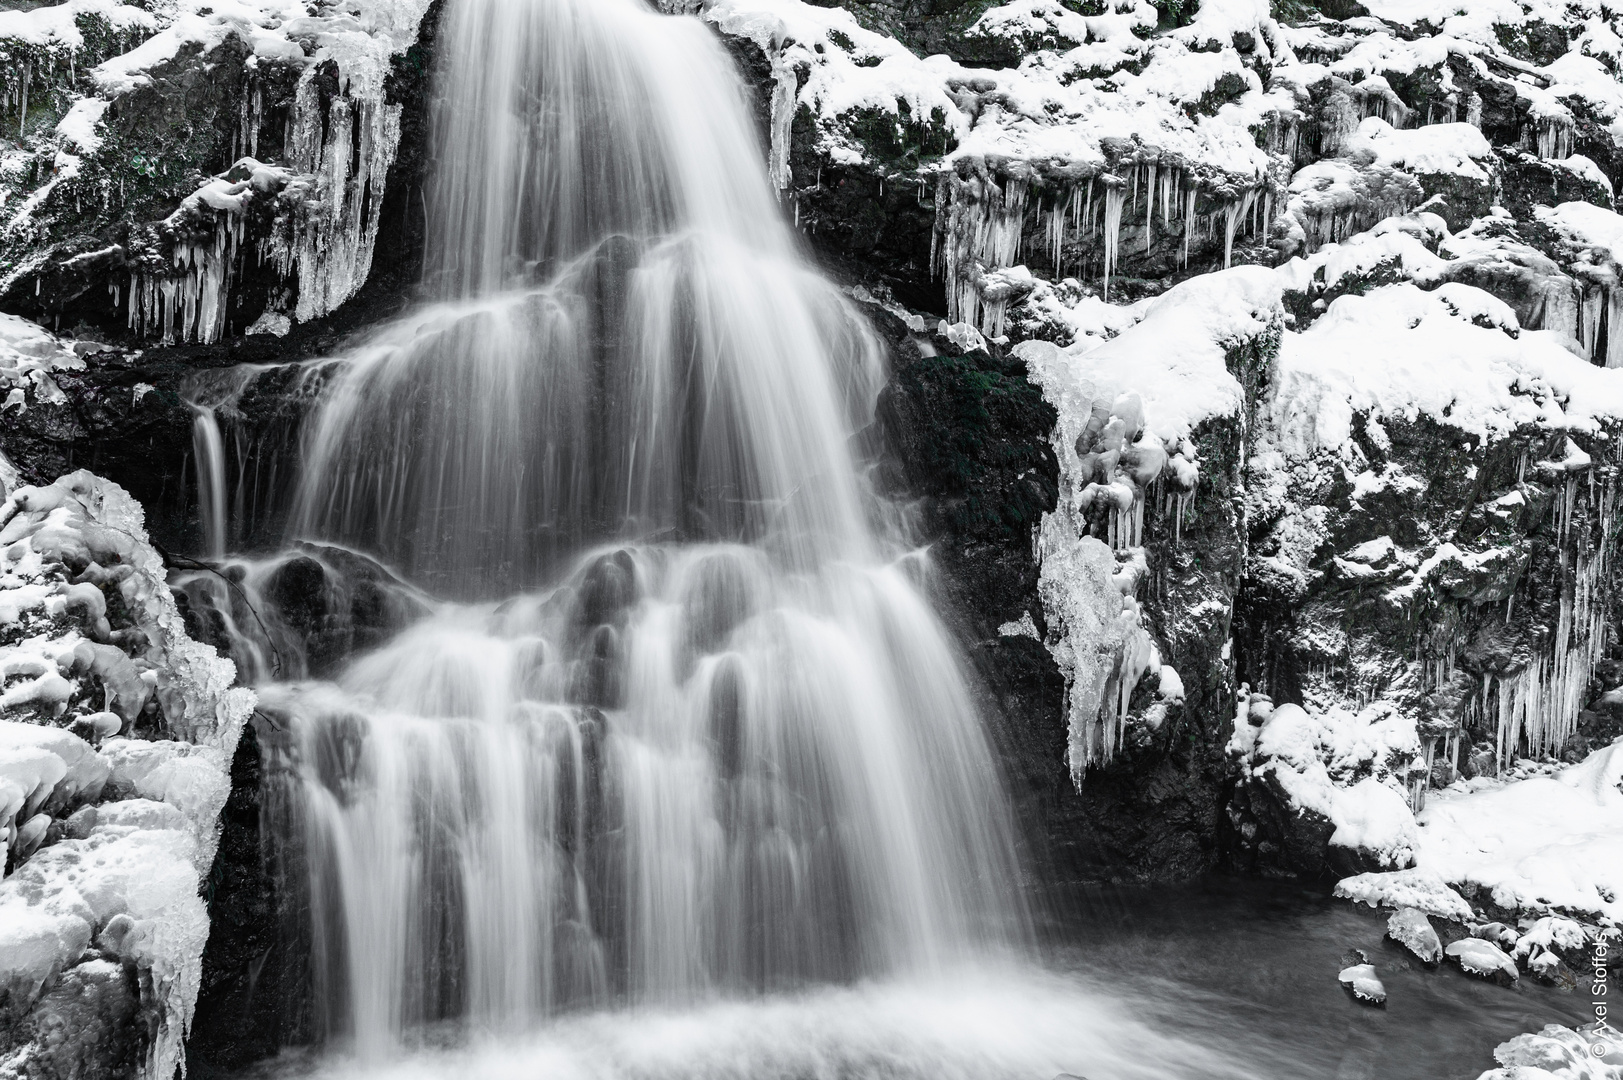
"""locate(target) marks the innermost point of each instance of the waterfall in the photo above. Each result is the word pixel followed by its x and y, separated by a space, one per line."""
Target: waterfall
pixel 688 727
pixel 209 450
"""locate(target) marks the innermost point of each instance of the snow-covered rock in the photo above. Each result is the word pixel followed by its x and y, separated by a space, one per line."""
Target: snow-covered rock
pixel 1363 984
pixel 1415 888
pixel 1332 781
pixel 1590 1053
pixel 108 838
pixel 1483 959
pixel 1411 928
pixel 1537 844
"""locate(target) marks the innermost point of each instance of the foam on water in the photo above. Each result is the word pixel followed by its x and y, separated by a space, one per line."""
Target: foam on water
pixel 991 1022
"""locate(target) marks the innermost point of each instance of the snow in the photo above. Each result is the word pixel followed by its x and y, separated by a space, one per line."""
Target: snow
pixel 1435 360
pixel 1539 844
pixel 57 27
pixel 29 355
pixel 78 127
pixel 1415 887
pixel 1361 981
pixel 1458 149
pixel 1586 224
pixel 1350 768
pixel 1553 933
pixel 1040 111
pixel 1174 355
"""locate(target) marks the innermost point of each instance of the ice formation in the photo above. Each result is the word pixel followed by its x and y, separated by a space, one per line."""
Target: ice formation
pixel 1411 928
pixel 115 747
pixel 28 356
pixel 1126 446
pixel 1363 984
pixel 319 214
pixel 1590 1053
pixel 328 195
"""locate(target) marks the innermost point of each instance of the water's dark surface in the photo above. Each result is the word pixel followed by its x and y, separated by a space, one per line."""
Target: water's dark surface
pixel 1260 958
pixel 1227 979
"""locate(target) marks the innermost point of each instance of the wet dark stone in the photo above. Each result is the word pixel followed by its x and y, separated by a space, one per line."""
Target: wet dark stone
pixel 727 717
pixel 607 589
pixel 249 1004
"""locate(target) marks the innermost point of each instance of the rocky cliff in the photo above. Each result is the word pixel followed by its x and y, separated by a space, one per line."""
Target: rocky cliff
pixel 1257 380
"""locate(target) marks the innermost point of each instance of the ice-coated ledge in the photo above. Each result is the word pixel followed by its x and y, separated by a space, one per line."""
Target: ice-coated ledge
pixel 340 144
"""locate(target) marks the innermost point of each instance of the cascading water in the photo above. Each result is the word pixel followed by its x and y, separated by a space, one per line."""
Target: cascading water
pixel 687 768
pixel 728 749
pixel 629 345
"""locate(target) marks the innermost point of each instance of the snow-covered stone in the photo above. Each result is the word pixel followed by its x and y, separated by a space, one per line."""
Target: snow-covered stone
pixel 121 874
pixel 1415 888
pixel 1363 984
pixel 1483 959
pixel 1590 1053
pixel 1411 928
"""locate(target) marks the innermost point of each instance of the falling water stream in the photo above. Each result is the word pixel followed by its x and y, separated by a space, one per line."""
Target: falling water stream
pixel 683 777
pixel 688 730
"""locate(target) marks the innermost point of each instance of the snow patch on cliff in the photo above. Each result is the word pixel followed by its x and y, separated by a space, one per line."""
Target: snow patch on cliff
pixel 1545 843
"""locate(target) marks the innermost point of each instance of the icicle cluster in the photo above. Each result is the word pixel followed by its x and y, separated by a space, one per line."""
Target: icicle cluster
pixel 328 193
pixel 332 244
pixel 1536 710
pixel 785 90
pixel 1600 324
pixel 1097 639
pixel 188 303
pixel 187 300
pixel 981 224
pixel 1092 563
pixel 1587 314
pixel 1549 136
pixel 326 219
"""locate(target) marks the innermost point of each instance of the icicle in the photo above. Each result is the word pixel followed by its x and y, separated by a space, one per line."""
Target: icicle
pixel 1149 208
pixel 1232 212
pixel 981 227
pixel 786 87
pixel 1614 327
pixel 1188 220
pixel 1113 206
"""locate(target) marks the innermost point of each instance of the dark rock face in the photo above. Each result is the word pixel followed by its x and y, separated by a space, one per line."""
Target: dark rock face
pixel 249 1005
pixel 966 436
pixel 141 439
